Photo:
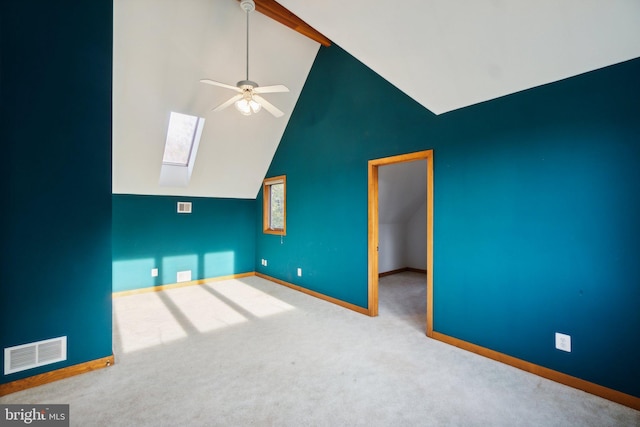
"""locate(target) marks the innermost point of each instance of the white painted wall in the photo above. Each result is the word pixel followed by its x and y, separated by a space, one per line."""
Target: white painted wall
pixel 415 239
pixel 392 244
pixel 402 209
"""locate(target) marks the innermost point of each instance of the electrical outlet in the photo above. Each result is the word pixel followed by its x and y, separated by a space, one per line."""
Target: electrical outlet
pixel 154 272
pixel 299 272
pixel 563 342
pixel 264 262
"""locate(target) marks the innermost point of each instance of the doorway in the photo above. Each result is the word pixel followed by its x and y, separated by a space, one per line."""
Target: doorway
pixel 373 229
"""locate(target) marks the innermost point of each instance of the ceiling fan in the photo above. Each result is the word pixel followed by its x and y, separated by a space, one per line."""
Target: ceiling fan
pixel 248 100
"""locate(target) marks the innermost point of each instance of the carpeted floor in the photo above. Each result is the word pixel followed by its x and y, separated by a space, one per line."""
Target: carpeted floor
pixel 253 353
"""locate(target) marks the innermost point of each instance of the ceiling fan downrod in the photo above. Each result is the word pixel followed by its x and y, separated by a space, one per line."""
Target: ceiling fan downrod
pixel 247 99
pixel 248 6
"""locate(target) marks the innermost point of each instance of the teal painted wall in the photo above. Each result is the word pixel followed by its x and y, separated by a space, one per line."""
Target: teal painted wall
pixel 55 112
pixel 216 239
pixel 537 200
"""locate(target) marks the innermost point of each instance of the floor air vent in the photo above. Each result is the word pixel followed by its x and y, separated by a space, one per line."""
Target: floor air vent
pixel 32 355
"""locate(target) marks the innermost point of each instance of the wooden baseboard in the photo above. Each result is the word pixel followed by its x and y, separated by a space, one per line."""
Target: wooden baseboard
pixel 559 377
pixel 389 273
pixel 402 270
pixel 336 301
pixel 180 285
pixel 56 375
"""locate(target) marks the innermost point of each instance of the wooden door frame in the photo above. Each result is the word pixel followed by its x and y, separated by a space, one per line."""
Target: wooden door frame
pixel 373 232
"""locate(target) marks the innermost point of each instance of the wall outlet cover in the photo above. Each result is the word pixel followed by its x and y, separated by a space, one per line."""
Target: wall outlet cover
pixel 563 342
pixel 299 272
pixel 154 272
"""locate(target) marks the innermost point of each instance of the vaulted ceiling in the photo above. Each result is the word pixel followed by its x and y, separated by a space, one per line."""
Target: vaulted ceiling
pixel 162 48
pixel 445 55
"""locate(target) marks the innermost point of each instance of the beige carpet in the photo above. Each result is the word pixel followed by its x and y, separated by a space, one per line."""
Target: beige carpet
pixel 253 353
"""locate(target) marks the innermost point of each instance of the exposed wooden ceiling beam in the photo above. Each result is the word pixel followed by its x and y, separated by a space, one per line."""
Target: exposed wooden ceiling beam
pixel 279 13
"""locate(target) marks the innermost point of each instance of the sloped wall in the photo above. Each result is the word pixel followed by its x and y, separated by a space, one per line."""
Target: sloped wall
pixel 402 188
pixel 404 244
pixel 537 200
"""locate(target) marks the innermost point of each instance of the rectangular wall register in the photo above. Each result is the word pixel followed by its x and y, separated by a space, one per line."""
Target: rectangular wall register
pixel 183 276
pixel 32 355
pixel 184 207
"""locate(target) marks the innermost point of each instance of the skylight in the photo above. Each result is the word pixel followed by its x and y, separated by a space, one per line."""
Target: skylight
pixel 180 150
pixel 180 139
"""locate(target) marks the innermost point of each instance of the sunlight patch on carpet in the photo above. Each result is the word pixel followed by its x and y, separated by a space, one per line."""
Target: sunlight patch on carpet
pixel 256 302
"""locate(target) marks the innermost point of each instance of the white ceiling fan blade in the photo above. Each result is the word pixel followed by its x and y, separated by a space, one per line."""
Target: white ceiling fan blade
pixel 268 106
pixel 227 103
pixel 271 89
pixel 215 83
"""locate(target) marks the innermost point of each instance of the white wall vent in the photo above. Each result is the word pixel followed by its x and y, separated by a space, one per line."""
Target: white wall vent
pixel 184 207
pixel 183 276
pixel 32 355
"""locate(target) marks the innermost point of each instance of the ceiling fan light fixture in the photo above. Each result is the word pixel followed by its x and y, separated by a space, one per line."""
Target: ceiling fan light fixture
pixel 255 106
pixel 243 106
pixel 248 99
pixel 248 106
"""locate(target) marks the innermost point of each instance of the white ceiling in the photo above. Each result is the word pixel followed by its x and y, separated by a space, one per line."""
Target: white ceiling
pixel 446 55
pixel 450 54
